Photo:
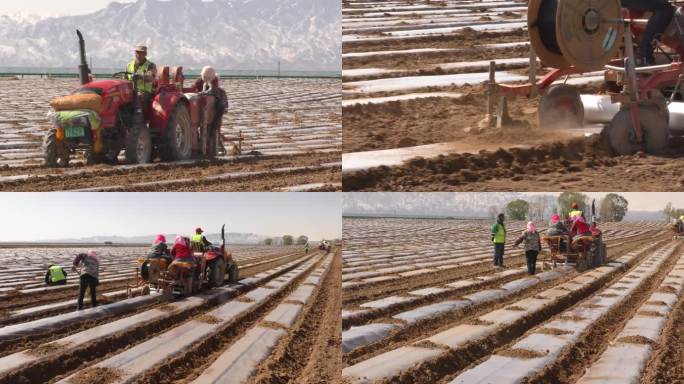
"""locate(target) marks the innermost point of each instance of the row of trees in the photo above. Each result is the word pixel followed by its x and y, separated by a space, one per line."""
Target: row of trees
pixel 671 212
pixel 288 240
pixel 612 207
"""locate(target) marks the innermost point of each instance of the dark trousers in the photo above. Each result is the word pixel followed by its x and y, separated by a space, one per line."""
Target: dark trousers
pixel 531 261
pixel 662 15
pixel 87 281
pixel 61 282
pixel 498 254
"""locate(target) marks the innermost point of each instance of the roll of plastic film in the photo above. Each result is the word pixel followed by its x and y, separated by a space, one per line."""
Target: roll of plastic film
pixel 580 33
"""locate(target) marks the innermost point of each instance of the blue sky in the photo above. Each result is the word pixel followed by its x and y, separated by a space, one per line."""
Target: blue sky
pixel 31 216
pixel 54 7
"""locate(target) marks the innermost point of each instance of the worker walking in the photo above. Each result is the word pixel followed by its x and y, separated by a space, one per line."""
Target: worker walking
pixel 55 275
pixel 532 244
pixel 575 212
pixel 208 84
pixel 90 276
pixel 499 239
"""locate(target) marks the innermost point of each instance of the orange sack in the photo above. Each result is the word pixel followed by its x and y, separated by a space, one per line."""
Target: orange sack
pixel 90 101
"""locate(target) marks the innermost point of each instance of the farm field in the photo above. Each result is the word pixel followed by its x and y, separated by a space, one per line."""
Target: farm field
pixel 415 103
pixel 272 326
pixel 289 131
pixel 422 303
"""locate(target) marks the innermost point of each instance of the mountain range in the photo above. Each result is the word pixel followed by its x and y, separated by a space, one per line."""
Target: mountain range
pixel 227 34
pixel 231 238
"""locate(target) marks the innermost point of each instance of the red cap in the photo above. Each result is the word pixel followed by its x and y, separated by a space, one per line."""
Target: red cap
pixel 198 230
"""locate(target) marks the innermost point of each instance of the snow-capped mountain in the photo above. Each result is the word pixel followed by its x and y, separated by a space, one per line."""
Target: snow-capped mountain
pixel 228 34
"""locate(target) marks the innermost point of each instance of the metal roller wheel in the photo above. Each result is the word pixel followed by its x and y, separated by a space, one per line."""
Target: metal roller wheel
pixel 561 107
pixel 654 123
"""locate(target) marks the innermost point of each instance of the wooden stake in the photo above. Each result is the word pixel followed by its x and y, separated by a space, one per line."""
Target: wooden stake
pixel 533 72
pixel 501 112
pixel 491 94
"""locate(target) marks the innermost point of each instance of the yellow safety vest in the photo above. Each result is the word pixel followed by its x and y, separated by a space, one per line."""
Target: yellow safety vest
pixel 575 213
pixel 500 235
pixel 197 238
pixel 142 86
pixel 56 274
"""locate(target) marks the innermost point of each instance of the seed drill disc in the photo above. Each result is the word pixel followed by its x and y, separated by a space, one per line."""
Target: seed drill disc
pixel 587 37
pixel 541 26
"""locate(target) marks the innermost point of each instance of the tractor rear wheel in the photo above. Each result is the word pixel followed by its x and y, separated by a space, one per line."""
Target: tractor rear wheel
pixel 55 151
pixel 232 270
pixel 216 272
pixel 188 281
pixel 138 146
pixel 177 143
pixel 561 107
pixel 622 137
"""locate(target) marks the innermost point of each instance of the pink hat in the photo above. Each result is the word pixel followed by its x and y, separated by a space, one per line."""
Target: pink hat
pixel 160 239
pixel 93 254
pixel 531 227
pixel 555 218
pixel 179 240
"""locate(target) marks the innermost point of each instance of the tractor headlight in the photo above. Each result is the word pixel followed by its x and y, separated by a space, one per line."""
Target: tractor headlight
pixel 52 117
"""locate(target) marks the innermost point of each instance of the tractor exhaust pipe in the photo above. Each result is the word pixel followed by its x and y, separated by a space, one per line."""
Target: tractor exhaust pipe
pixel 83 68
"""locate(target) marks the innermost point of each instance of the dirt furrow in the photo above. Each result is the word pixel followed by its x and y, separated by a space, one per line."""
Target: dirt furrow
pixel 666 364
pixel 455 360
pixel 190 364
pixel 102 347
pixel 303 357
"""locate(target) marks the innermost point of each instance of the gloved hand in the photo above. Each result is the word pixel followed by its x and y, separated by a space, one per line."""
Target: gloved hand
pixel 73 268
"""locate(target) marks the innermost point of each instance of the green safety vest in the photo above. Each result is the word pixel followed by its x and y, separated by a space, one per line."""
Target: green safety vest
pixel 500 234
pixel 575 213
pixel 56 274
pixel 197 238
pixel 142 86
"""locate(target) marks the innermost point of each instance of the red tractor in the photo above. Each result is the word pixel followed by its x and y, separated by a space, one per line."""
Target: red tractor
pixel 103 117
pixel 208 269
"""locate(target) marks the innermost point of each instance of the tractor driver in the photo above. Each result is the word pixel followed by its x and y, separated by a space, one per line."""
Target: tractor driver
pixel 199 239
pixel 576 212
pixel 662 12
pixel 145 69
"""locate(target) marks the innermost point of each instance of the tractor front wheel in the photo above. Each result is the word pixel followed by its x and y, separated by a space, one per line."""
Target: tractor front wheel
pixel 138 146
pixel 622 137
pixel 178 136
pixel 56 151
pixel 561 107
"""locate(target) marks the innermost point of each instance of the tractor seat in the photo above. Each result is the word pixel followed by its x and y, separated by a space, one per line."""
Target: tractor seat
pixel 163 76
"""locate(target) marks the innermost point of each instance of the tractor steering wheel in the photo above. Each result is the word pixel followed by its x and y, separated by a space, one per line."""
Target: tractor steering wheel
pixel 121 75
